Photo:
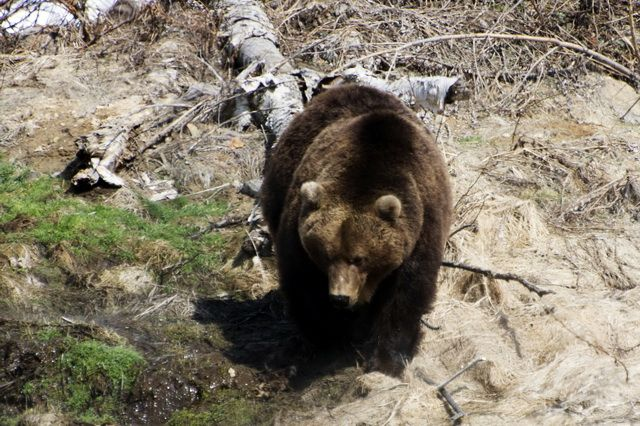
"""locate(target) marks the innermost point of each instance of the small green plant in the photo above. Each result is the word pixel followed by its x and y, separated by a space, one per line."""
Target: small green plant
pixel 11 176
pixel 471 140
pixel 28 389
pixel 47 334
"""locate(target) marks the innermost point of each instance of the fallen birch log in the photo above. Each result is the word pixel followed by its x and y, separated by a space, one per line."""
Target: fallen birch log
pixel 100 152
pixel 124 137
pixel 277 94
pixel 430 93
pixel 270 92
pixel 248 36
pixel 250 42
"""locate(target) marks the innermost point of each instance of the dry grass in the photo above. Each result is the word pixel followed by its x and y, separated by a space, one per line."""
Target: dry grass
pixel 577 182
pixel 216 158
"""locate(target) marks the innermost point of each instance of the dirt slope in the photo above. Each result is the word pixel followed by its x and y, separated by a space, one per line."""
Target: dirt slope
pixel 551 195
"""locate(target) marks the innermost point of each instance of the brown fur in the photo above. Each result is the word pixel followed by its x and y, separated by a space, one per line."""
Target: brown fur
pixel 369 225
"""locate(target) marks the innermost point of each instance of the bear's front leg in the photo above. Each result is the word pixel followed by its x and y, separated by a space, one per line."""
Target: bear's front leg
pixel 395 345
pixel 305 290
pixel 402 300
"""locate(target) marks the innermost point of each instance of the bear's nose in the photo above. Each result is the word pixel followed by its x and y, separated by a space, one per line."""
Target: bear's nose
pixel 339 301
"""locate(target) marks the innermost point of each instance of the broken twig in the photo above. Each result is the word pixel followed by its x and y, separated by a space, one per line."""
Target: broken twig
pixel 459 373
pixel 224 223
pixel 458 413
pixel 430 326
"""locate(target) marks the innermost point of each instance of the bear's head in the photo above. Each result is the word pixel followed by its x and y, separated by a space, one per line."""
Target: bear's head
pixel 355 248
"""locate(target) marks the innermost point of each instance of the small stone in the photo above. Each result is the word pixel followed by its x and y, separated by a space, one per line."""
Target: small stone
pixel 193 129
pixel 251 188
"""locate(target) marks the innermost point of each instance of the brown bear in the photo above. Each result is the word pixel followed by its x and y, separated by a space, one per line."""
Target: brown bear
pixel 357 197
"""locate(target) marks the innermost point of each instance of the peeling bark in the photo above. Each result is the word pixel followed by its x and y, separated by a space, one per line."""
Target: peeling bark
pixel 248 36
pixel 269 89
pixel 124 137
pixel 431 93
pixel 100 153
pixel 278 93
pixel 250 42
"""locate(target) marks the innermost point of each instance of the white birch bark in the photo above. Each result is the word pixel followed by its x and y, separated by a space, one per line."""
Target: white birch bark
pixel 273 93
pixel 250 39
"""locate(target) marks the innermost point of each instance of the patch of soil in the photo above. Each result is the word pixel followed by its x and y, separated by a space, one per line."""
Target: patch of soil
pixel 179 377
pixel 17 224
pixel 262 337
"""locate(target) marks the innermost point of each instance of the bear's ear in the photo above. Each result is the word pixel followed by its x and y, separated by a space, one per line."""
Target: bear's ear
pixel 388 207
pixel 311 193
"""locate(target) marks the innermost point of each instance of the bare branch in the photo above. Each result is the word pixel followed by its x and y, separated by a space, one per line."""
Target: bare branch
pixel 498 276
pixel 598 57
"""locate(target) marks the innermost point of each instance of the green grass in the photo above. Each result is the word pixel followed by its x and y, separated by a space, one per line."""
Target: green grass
pixel 93 368
pixel 9 420
pixel 92 230
pixel 47 334
pixel 90 380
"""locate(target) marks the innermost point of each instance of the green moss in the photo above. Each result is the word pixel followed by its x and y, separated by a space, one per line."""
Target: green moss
pixel 230 407
pixel 90 379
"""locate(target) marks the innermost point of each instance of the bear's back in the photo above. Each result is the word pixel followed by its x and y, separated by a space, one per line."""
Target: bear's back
pixel 340 103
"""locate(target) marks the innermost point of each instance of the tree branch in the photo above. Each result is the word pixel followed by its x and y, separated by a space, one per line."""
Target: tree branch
pixel 498 276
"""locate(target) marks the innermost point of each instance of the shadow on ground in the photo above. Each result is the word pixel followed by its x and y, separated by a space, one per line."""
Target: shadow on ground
pixel 262 337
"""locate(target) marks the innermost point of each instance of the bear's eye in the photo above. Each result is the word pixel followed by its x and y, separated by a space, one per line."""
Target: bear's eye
pixel 356 261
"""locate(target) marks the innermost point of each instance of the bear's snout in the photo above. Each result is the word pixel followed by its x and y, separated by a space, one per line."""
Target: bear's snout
pixel 339 301
pixel 345 284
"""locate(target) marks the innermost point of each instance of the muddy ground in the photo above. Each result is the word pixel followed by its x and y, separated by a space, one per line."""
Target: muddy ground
pixel 551 194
